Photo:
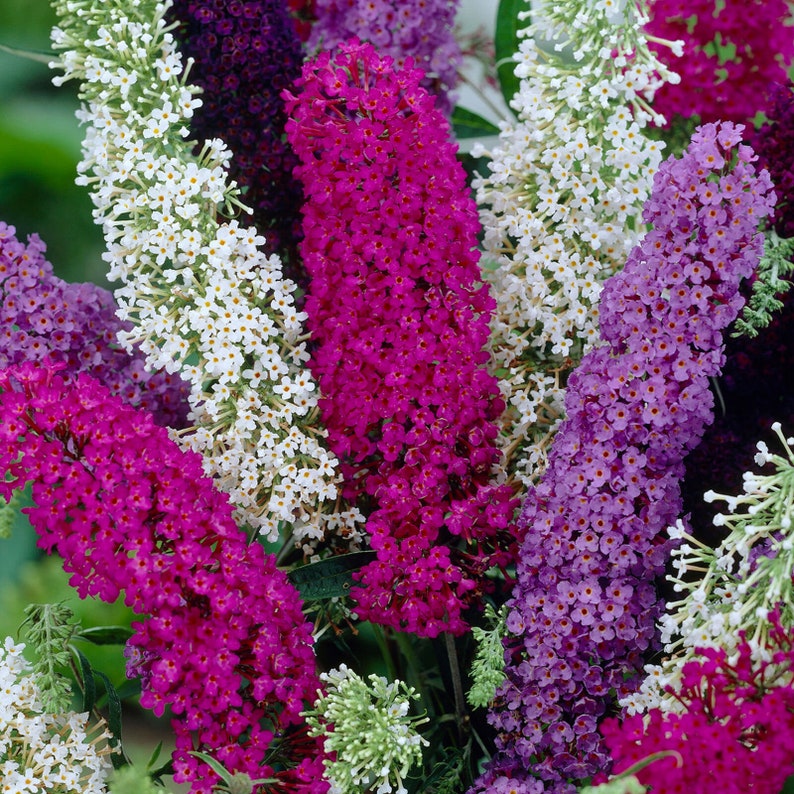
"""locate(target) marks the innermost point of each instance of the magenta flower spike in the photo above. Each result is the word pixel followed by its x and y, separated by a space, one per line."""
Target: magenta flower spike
pixel 399 320
pixel 419 30
pixel 732 53
pixel 223 644
pixel 734 725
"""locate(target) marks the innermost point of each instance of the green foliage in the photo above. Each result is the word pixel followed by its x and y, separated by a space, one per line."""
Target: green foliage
pixel 133 780
pixel 8 511
pixel 487 667
pixel 506 43
pixel 467 124
pixel 237 783
pixel 448 774
pixel 44 581
pixel 331 578
pixel 40 147
pixel 776 263
pixel 49 628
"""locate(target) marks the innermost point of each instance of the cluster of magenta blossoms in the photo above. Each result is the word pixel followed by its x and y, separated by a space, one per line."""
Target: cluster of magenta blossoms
pixel 732 53
pixel 399 320
pixel 418 29
pixel 43 318
pixel 245 52
pixel 585 605
pixel 225 644
pixel 734 729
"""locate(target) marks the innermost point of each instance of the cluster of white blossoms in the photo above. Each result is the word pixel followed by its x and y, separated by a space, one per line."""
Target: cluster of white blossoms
pixel 44 752
pixel 203 299
pixel 562 205
pixel 732 588
pixel 368 732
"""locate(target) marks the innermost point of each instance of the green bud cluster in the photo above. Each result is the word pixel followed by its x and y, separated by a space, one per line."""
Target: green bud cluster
pixel 368 732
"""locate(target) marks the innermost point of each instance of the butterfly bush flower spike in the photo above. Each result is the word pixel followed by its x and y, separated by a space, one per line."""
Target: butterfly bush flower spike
pixel 733 53
pixel 421 30
pixel 399 321
pixel 740 583
pixel 561 205
pixel 244 54
pixel 585 606
pixel 47 319
pixel 370 739
pixel 203 299
pixel 734 724
pixel 222 640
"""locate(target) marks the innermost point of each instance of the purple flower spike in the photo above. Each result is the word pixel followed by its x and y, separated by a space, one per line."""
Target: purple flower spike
pixel 43 318
pixel 245 54
pixel 419 29
pixel 585 604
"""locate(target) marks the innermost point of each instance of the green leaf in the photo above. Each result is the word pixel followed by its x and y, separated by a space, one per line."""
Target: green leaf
pixel 106 635
pixel 506 43
pixel 468 124
pixel 447 773
pixel 165 770
pixel 216 766
pixel 89 682
pixel 129 689
pixel 331 578
pixel 114 719
pixel 155 755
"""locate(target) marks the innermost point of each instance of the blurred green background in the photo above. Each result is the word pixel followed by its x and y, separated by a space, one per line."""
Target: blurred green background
pixel 40 147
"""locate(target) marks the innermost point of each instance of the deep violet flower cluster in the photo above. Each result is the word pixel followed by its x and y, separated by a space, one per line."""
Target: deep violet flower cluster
pixel 585 605
pixel 419 29
pixel 225 645
pixel 245 54
pixel 735 730
pixel 774 144
pixel 43 318
pixel 399 319
pixel 729 81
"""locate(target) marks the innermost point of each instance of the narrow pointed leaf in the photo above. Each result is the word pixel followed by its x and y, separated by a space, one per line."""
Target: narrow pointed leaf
pixel 106 635
pixel 506 44
pixel 89 683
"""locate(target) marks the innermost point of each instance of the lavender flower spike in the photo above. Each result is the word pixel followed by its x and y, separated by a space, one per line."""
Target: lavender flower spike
pixel 584 608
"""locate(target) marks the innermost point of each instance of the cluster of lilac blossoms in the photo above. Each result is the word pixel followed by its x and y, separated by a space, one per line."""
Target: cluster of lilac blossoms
pixel 584 608
pixel 244 54
pixel 202 297
pixel 47 319
pixel 399 321
pixel 418 29
pixel 225 645
pixel 561 205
